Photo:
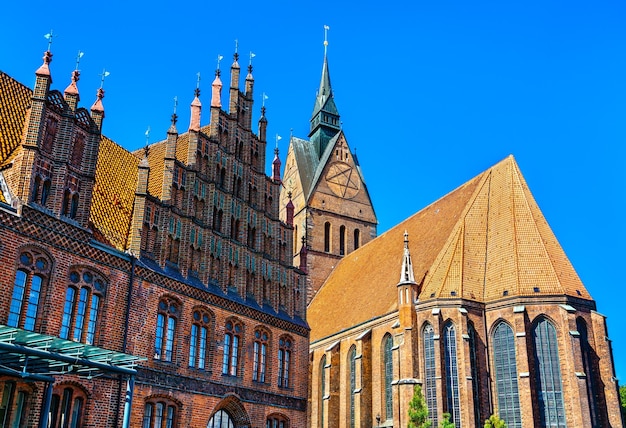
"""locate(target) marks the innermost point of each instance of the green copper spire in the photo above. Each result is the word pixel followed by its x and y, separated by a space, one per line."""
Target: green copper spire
pixel 325 119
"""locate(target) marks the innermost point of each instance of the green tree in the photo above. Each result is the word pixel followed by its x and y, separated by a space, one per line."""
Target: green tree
pixel 622 399
pixel 418 412
pixel 495 422
pixel 445 423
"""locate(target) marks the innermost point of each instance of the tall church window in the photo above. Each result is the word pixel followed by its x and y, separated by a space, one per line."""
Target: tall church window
pixel 221 419
pixel 82 306
pixel 13 405
pixel 232 339
pixel 168 312
pixel 505 368
pixel 388 375
pixel 321 392
pixel 548 372
pixel 261 338
pixel 30 277
pixel 199 339
pixel 430 386
pixel 452 373
pixel 471 332
pixel 327 237
pixel 342 240
pixel 352 383
pixel 284 361
pixel 67 408
pixel 45 191
pixel 357 239
pixel 588 366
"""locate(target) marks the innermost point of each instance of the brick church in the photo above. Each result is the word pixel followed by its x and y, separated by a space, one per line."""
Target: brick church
pixel 472 298
pixel 153 289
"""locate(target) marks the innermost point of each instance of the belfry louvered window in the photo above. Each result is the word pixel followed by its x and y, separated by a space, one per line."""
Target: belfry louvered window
pixel 505 367
pixel 548 372
pixel 452 374
pixel 430 385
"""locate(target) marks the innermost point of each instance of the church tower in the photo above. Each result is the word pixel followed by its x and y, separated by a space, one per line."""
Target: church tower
pixel 333 214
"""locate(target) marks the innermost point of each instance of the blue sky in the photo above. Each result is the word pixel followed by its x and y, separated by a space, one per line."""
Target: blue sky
pixel 430 93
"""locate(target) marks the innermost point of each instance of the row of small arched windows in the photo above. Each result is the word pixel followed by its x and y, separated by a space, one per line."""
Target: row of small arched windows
pixel 328 239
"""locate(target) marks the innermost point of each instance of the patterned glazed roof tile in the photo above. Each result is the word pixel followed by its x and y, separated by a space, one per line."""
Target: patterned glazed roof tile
pixel 14 102
pixel 114 193
pixel 486 240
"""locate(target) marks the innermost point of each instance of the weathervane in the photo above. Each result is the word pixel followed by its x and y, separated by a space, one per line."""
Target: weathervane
pixel 49 36
pixel 252 55
pixel 175 103
pixel 326 28
pixel 147 134
pixel 219 58
pixel 78 57
pixel 278 138
pixel 263 99
pixel 103 75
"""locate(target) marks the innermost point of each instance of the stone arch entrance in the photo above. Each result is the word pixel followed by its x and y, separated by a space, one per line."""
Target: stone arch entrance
pixel 229 413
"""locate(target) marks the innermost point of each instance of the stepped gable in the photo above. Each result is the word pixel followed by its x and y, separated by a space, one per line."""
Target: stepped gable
pixel 14 103
pixel 114 194
pixel 363 285
pixel 485 241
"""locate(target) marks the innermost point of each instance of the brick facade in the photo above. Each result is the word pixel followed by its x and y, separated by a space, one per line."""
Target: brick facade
pixel 183 263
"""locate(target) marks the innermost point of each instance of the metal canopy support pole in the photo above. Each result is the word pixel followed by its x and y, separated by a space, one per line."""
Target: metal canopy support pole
pixel 130 386
pixel 45 406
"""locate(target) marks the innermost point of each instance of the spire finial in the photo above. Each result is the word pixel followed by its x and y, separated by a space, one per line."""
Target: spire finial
pixel 49 36
pixel 174 115
pixel 278 138
pixel 263 99
pixel 236 55
pixel 103 75
pixel 147 134
pixel 326 28
pixel 252 55
pixel 219 58
pixel 406 239
pixel 197 91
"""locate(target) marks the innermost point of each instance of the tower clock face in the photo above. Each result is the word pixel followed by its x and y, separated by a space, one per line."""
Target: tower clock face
pixel 343 180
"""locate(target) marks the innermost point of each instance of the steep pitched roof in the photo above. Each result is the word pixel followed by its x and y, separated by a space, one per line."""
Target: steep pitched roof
pixel 485 237
pixel 14 101
pixel 307 162
pixel 114 194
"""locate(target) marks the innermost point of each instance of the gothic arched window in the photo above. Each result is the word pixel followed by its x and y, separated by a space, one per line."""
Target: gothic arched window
pixel 261 338
pixel 232 345
pixel 452 373
pixel 430 385
pixel 30 278
pixel 505 368
pixel 159 414
pixel 321 391
pixel 352 383
pixel 167 316
pixel 199 340
pixel 285 345
pixel 221 419
pixel 82 305
pixel 548 372
pixel 388 375
pixel 357 239
pixel 342 240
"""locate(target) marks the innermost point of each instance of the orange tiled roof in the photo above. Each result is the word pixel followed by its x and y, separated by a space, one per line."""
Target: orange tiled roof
pixel 114 193
pixel 484 238
pixel 14 101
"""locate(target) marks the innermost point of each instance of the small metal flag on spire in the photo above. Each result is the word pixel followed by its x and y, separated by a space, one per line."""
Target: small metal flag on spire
pixel 103 75
pixel 219 58
pixel 175 103
pixel 147 135
pixel 263 99
pixel 236 46
pixel 252 55
pixel 78 57
pixel 49 36
pixel 278 138
pixel 326 28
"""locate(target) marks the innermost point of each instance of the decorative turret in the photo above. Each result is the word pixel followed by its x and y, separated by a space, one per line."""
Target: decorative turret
pixel 234 83
pixel 71 92
pixel 141 191
pixel 250 78
pixel 216 100
pixel 263 126
pixel 196 109
pixel 325 119
pixel 290 210
pixel 303 254
pixel 170 159
pixel 276 163
pixel 406 288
